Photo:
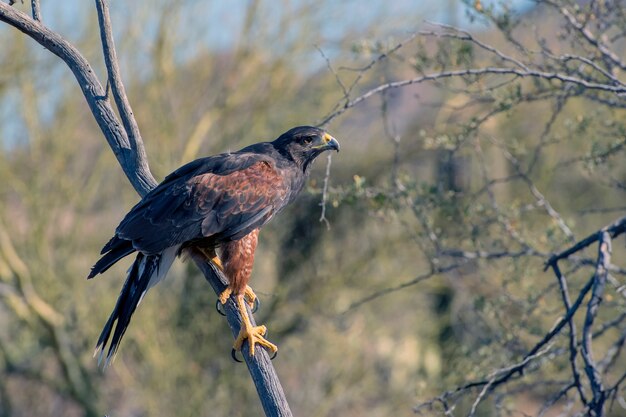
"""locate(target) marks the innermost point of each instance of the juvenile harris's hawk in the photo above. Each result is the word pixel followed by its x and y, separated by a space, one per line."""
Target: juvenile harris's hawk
pixel 217 202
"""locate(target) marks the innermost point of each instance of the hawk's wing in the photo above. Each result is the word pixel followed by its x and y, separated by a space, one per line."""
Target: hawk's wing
pixel 221 198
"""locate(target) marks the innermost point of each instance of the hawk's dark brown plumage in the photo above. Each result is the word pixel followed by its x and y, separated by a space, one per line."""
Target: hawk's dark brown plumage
pixel 218 201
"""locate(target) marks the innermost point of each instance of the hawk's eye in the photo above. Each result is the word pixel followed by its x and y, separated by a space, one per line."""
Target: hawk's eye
pixel 307 140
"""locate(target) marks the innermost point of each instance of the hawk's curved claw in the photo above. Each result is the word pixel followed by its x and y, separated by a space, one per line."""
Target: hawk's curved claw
pixel 253 335
pixel 220 308
pixel 251 299
pixel 233 354
pixel 255 305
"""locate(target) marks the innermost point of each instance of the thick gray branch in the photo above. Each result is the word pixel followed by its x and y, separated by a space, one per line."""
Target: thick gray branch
pixel 260 366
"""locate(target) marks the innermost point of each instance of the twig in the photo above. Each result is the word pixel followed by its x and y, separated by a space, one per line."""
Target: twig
pixel 517 72
pixel 599 282
pixel 541 199
pixel 402 286
pixel 519 368
pixel 325 192
pixel 114 80
pixel 568 57
pixel 607 53
pixel 346 93
pixel 614 229
pixel 375 61
pixel 36 8
pixel 572 332
pixel 494 376
pixel 546 406
pixel 466 36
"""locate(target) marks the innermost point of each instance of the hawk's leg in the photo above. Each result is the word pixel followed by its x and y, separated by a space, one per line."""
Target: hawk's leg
pixel 238 258
pixel 254 334
pixel 211 255
pixel 249 295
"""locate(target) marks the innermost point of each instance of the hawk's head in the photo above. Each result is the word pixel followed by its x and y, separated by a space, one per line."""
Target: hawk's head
pixel 304 143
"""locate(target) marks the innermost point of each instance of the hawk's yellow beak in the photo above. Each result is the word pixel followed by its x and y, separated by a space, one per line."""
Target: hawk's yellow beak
pixel 327 143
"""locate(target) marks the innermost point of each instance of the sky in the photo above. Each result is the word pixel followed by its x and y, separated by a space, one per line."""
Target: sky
pixel 216 25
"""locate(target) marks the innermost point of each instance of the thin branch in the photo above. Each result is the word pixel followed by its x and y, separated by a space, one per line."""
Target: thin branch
pixel 36 8
pixel 614 229
pixel 519 368
pixel 114 80
pixel 135 168
pixel 330 67
pixel 517 72
pixel 568 57
pixel 375 61
pixel 606 52
pixel 572 332
pixel 612 353
pixel 541 199
pixel 466 36
pixel 548 404
pixel 599 283
pixel 493 377
pixel 324 201
pixel 402 286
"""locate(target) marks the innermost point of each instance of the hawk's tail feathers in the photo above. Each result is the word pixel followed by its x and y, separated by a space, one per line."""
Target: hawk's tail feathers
pixel 137 284
pixel 112 254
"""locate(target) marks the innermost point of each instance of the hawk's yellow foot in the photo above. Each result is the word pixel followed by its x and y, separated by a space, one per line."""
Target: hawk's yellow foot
pixel 254 334
pixel 212 256
pixel 249 295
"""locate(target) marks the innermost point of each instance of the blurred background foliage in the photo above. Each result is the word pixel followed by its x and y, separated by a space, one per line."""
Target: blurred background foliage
pixel 430 273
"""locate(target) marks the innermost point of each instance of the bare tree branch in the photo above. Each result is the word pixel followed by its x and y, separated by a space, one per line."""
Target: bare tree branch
pixel 614 229
pixel 260 365
pixel 591 369
pixel 517 72
pixel 36 8
pixel 324 201
pixel 115 80
pixel 606 52
pixel 135 168
pixel 572 332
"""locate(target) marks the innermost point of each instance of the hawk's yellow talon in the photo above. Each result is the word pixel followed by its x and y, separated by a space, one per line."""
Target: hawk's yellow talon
pixel 217 262
pixel 212 256
pixel 254 334
pixel 225 294
pixel 249 295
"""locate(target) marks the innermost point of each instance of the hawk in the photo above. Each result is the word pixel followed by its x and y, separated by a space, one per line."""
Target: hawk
pixel 216 203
